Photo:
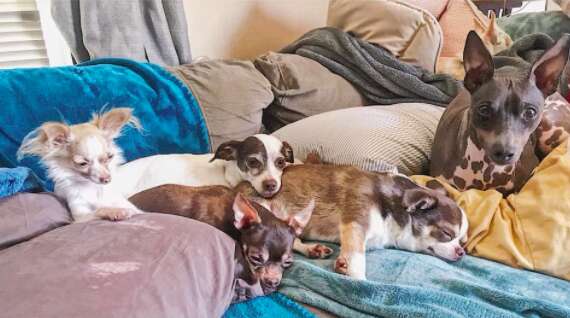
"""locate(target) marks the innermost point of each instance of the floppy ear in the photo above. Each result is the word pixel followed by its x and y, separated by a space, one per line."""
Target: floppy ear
pixel 477 61
pixel 227 151
pixel 416 200
pixel 113 121
pixel 287 152
pixel 245 215
pixel 437 186
pixel 299 220
pixel 546 71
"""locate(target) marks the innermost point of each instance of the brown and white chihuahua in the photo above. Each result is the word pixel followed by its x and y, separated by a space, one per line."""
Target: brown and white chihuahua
pixel 364 210
pixel 81 160
pixel 265 241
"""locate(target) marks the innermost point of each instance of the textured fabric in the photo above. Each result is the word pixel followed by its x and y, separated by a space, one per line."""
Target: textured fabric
pixel 145 30
pixel 379 76
pixel 529 229
pixel 404 284
pixel 553 23
pixel 152 265
pixel 408 32
pixel 271 306
pixel 435 7
pixel 375 138
pixel 231 94
pixel 20 179
pixel 26 215
pixel 170 115
pixel 302 88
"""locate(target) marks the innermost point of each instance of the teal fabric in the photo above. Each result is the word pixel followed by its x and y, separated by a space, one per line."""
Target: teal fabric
pixel 170 115
pixel 20 179
pixel 552 23
pixel 404 284
pixel 275 305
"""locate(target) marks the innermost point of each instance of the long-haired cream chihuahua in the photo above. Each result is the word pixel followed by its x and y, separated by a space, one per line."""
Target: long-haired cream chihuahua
pixel 81 160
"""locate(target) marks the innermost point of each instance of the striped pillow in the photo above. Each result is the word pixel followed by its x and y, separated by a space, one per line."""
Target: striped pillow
pixel 375 138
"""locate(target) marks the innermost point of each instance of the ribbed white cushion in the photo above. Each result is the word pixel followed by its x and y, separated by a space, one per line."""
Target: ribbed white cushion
pixel 375 138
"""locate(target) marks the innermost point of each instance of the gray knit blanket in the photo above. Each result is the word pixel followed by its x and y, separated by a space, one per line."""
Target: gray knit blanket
pixel 375 72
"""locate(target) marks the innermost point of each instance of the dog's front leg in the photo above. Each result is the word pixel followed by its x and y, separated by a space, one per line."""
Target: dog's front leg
pixel 352 259
pixel 312 250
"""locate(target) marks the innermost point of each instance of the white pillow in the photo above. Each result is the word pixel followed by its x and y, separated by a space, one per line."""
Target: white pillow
pixel 374 138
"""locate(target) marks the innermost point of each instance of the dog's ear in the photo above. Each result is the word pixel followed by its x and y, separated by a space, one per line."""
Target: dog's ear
pixel 245 215
pixel 55 134
pixel 477 61
pixel 227 151
pixel 287 152
pixel 47 137
pixel 299 220
pixel 492 33
pixel 417 200
pixel 437 186
pixel 113 121
pixel 547 69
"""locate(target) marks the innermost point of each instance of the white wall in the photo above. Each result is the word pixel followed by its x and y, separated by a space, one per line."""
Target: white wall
pixel 246 28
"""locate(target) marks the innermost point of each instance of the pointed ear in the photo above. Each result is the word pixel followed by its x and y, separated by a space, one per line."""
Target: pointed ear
pixel 113 121
pixel 437 186
pixel 417 200
pixel 492 32
pixel 287 152
pixel 227 151
pixel 55 134
pixel 299 220
pixel 546 71
pixel 245 215
pixel 477 61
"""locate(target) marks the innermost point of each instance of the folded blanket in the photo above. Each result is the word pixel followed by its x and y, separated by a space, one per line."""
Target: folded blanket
pixel 529 229
pixel 20 179
pixel 374 71
pixel 169 113
pixel 404 284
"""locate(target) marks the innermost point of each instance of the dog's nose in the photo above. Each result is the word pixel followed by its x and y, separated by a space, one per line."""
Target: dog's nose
pixel 271 282
pixel 105 179
pixel 503 156
pixel 460 252
pixel 270 185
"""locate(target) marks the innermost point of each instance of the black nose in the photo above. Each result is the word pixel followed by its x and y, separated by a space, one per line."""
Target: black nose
pixel 503 156
pixel 105 180
pixel 270 185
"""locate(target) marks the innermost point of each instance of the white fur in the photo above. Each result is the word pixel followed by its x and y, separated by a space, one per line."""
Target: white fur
pixel 194 170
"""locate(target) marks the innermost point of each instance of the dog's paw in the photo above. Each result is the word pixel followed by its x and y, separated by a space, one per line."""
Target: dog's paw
pixel 114 214
pixel 341 265
pixel 319 251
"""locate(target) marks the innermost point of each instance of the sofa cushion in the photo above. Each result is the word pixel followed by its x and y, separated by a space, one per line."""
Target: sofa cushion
pixel 302 88
pixel 26 215
pixel 152 265
pixel 435 7
pixel 376 138
pixel 410 33
pixel 231 94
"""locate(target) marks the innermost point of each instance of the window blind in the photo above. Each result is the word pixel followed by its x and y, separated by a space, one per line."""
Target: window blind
pixel 21 38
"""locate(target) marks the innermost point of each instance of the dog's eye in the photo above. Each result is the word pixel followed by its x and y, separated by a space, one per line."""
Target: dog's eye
pixel 253 163
pixel 82 164
pixel 447 236
pixel 110 156
pixel 484 111
pixel 256 260
pixel 280 163
pixel 529 113
pixel 287 263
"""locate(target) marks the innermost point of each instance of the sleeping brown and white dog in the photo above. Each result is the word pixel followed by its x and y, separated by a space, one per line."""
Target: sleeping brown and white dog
pixel 363 210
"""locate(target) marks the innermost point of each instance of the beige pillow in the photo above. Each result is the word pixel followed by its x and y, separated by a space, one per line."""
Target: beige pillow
pixel 410 33
pixel 232 95
pixel 302 88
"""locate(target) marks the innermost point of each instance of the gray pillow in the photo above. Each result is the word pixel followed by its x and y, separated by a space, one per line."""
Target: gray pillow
pixel 26 215
pixel 375 138
pixel 152 265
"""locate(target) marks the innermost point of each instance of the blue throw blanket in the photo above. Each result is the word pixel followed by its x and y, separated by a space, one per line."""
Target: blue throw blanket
pixel 403 284
pixel 275 305
pixel 16 180
pixel 170 115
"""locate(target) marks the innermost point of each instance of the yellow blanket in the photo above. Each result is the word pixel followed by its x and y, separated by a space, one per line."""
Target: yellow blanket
pixel 530 229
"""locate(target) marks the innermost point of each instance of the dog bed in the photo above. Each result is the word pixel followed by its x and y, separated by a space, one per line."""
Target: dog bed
pixel 529 229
